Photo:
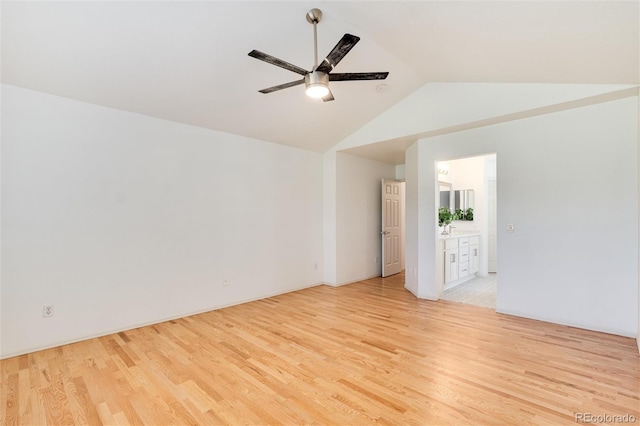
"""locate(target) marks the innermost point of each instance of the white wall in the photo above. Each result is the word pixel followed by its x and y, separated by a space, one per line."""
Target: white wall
pixel 330 272
pixel 412 224
pixel 574 256
pixel 358 221
pixel 120 220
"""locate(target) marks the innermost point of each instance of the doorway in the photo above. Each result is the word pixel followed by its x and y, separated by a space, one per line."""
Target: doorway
pixel 476 176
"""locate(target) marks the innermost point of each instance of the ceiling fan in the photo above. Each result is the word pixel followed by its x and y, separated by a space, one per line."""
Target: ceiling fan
pixel 317 80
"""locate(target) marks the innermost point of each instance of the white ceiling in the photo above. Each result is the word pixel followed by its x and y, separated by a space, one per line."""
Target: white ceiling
pixel 187 61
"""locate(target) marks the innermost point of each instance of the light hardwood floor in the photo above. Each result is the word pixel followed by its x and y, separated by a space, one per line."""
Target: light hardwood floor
pixel 364 353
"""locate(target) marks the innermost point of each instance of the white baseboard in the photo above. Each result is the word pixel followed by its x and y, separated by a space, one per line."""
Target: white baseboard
pixel 617 332
pixel 134 326
pixel 351 282
pixel 431 297
pixel 410 290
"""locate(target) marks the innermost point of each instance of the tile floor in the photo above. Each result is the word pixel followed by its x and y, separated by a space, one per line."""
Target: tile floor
pixel 480 291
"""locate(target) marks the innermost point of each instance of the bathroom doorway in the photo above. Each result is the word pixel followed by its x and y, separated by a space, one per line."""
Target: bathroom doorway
pixel 478 176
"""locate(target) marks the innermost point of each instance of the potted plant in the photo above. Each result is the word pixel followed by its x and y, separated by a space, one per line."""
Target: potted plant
pixel 444 218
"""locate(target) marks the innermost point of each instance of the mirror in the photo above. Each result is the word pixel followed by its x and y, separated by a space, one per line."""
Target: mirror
pixel 446 195
pixel 463 204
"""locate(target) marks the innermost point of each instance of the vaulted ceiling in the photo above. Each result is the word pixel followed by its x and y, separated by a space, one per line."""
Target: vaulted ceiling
pixel 187 61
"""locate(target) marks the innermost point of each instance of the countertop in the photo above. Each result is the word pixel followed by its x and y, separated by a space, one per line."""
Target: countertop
pixel 458 234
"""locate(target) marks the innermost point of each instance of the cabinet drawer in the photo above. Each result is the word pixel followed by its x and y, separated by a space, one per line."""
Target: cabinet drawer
pixel 463 269
pixel 474 240
pixel 463 242
pixel 464 254
pixel 451 244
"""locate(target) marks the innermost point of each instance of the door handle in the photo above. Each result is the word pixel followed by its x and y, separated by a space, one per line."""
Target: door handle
pixel 384 232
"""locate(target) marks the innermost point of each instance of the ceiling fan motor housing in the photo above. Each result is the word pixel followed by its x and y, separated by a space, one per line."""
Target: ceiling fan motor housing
pixel 316 77
pixel 317 81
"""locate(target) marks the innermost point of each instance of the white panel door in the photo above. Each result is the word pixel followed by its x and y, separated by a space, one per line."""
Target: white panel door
pixel 392 237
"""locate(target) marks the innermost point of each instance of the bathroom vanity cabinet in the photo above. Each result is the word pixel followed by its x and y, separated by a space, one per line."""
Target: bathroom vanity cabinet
pixel 461 256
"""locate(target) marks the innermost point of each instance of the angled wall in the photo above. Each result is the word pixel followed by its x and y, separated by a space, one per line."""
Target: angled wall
pixel 439 108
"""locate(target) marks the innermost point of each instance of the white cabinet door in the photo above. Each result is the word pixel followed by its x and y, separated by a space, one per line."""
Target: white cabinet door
pixel 474 259
pixel 474 254
pixel 451 263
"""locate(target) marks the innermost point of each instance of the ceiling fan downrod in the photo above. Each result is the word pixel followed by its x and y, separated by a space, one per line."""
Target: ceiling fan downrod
pixel 313 17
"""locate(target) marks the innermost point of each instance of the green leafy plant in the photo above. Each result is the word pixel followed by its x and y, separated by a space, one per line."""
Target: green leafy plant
pixel 444 216
pixel 458 215
pixel 468 214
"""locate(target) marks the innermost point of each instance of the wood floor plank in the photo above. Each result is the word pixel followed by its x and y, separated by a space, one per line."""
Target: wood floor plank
pixel 364 353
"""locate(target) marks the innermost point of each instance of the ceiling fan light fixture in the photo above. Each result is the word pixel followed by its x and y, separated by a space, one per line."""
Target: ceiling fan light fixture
pixel 317 90
pixel 317 84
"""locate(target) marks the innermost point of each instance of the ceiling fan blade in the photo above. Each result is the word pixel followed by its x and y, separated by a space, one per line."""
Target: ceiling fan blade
pixel 358 76
pixel 343 47
pixel 277 62
pixel 281 86
pixel 328 97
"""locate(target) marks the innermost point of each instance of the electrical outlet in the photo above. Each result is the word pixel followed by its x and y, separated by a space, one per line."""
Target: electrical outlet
pixel 376 259
pixel 511 227
pixel 226 283
pixel 47 311
pixel 315 266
